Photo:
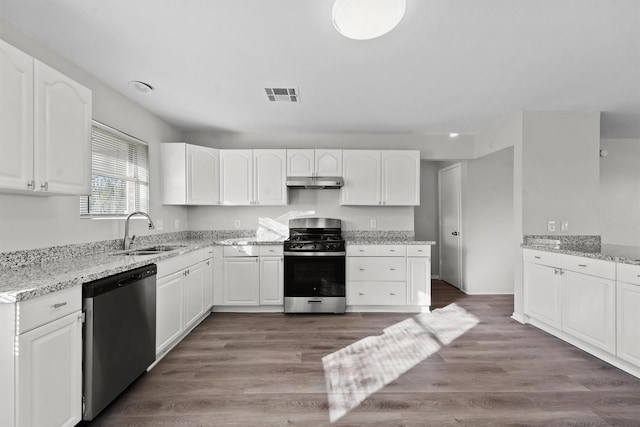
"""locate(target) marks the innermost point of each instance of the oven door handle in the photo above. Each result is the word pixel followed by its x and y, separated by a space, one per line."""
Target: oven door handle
pixel 301 254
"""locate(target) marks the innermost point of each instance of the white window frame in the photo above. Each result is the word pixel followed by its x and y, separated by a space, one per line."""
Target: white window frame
pixel 137 181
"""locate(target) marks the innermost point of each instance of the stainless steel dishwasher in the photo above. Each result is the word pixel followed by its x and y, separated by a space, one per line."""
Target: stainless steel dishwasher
pixel 119 334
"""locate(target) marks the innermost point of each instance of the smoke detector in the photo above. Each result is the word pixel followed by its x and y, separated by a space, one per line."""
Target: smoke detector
pixel 281 94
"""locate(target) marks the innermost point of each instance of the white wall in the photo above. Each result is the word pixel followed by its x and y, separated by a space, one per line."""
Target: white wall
pixel 323 203
pixel 487 212
pixel 560 171
pixel 432 147
pixel 426 215
pixel 620 192
pixel 31 222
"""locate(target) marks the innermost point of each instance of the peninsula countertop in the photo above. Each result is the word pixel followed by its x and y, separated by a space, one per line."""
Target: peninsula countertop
pixel 607 252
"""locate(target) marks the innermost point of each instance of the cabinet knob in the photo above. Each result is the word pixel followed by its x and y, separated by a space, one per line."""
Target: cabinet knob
pixel 362 269
pixel 391 293
pixel 360 293
pixel 537 257
pixel 392 269
pixel 45 186
pixel 582 265
pixel 31 185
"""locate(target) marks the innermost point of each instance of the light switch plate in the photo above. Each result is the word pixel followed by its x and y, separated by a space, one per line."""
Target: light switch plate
pixel 551 226
pixel 373 223
pixel 177 224
pixel 159 224
pixel 564 226
pixel 237 223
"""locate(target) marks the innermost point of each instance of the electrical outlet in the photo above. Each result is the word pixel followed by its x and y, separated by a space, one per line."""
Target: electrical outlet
pixel 373 223
pixel 159 224
pixel 551 226
pixel 564 226
pixel 177 224
pixel 237 223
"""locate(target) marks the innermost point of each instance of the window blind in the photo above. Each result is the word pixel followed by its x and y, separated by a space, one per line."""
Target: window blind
pixel 119 174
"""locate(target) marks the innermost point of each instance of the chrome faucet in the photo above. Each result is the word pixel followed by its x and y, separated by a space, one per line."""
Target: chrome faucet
pixel 126 243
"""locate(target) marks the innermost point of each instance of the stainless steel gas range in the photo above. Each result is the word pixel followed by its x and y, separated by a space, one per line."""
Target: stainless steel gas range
pixel 314 266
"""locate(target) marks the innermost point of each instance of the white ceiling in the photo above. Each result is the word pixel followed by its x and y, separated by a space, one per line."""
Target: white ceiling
pixel 450 66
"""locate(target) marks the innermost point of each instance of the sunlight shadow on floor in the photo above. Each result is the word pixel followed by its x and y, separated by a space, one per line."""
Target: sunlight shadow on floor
pixel 357 371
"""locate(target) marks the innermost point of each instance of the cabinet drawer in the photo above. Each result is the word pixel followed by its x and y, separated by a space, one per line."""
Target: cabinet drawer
pixel 376 268
pixel 271 250
pixel 361 250
pixel 628 273
pixel 419 250
pixel 391 250
pixel 376 293
pixel 234 251
pixel 592 267
pixel 47 308
pixel 540 257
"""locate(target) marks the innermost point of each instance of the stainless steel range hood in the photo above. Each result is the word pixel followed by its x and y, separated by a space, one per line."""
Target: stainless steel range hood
pixel 316 183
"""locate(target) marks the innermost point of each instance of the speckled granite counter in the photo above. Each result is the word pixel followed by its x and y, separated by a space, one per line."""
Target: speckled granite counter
pixel 22 282
pixel 387 241
pixel 607 252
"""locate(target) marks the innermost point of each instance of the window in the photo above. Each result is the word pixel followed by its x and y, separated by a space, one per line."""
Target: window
pixel 119 174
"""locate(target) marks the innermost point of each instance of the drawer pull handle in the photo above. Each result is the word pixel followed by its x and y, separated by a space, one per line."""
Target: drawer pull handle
pixel 361 250
pixel 392 269
pixel 391 293
pixel 537 257
pixel 58 305
pixel 392 250
pixel 582 265
pixel 419 250
pixel 362 269
pixel 360 293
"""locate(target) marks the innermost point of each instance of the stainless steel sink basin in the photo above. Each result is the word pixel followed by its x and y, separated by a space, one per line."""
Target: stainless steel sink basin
pixel 151 251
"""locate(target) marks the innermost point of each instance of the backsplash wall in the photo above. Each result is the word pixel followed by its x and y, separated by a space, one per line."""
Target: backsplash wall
pixel 302 202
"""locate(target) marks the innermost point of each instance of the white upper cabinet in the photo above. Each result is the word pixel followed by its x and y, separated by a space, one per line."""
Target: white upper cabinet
pixel 253 177
pixel 400 178
pixel 62 133
pixel 361 170
pixel 270 175
pixel 309 162
pixel 190 174
pixel 387 177
pixel 45 126
pixel 16 118
pixel 236 177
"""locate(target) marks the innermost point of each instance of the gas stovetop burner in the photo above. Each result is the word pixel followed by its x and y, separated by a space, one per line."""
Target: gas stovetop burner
pixel 315 235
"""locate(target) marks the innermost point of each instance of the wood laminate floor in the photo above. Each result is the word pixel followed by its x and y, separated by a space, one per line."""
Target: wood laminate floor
pixel 266 370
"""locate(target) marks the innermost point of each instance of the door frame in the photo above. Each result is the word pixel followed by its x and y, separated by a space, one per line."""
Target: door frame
pixel 440 231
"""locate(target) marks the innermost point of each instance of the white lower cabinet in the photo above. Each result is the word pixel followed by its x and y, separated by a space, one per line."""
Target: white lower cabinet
pixel 542 294
pixel 241 281
pixel 49 380
pixel 389 275
pixel 208 280
pixel 589 309
pixel 252 276
pixel 181 296
pixel 590 303
pixel 628 313
pixel 41 360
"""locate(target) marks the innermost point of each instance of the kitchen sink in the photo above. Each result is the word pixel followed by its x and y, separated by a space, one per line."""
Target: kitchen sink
pixel 151 251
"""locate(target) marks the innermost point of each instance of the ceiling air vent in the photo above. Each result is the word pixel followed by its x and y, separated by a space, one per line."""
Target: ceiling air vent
pixel 281 94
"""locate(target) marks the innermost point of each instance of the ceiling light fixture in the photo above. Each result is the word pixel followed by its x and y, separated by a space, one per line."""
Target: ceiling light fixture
pixel 367 19
pixel 141 87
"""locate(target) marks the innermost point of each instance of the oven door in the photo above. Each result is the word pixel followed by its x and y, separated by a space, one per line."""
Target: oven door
pixel 314 274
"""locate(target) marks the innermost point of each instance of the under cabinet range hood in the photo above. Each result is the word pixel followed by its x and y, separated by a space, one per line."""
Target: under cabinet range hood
pixel 316 182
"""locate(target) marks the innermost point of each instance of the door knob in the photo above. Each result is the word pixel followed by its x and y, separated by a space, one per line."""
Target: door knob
pixel 454 233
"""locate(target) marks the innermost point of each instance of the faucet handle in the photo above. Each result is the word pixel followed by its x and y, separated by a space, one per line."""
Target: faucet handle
pixel 131 240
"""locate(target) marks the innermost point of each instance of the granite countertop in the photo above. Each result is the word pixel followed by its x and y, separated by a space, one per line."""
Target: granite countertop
pixel 386 241
pixel 22 283
pixel 607 252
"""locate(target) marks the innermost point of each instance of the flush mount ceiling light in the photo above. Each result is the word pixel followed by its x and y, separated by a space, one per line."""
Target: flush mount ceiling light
pixel 367 19
pixel 141 87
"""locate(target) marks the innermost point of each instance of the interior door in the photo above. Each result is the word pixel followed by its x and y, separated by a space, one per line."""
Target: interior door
pixel 450 225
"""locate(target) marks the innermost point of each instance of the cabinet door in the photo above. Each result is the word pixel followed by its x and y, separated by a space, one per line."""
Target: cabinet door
pixel 419 281
pixel 194 294
pixel 542 293
pixel 271 281
pixel 49 378
pixel 16 118
pixel 169 310
pixel 328 162
pixel 203 175
pixel 62 133
pixel 270 175
pixel 401 177
pixel 300 162
pixel 628 341
pixel 588 309
pixel 208 284
pixel 361 171
pixel 236 177
pixel 241 281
